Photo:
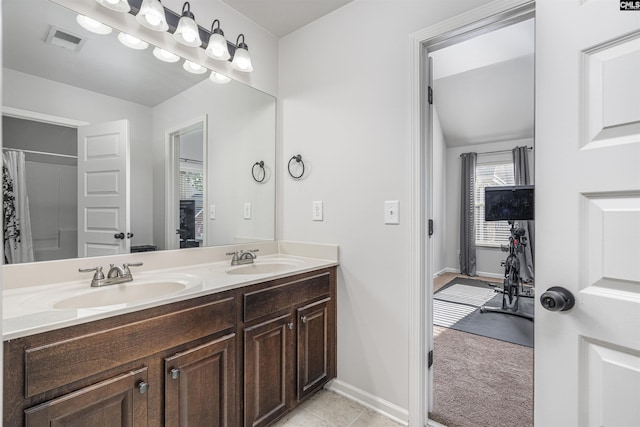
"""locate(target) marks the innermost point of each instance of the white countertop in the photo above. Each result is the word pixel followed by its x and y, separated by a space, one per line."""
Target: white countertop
pixel 28 310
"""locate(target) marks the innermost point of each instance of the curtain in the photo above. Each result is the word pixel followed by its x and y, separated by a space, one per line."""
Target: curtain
pixel 18 243
pixel 467 215
pixel 522 176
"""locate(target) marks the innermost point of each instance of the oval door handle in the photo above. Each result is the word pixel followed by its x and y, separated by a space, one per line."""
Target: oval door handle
pixel 175 373
pixel 557 298
pixel 119 236
pixel 143 387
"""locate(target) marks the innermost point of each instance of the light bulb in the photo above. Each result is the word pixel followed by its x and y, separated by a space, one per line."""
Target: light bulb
pixel 112 1
pixel 194 68
pixel 219 78
pixel 164 55
pixel 132 42
pixel 217 48
pixel 92 25
pixel 153 19
pixel 189 36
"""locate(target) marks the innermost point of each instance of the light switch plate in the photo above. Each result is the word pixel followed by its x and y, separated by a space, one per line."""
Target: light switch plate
pixel 212 211
pixel 391 212
pixel 317 210
pixel 247 210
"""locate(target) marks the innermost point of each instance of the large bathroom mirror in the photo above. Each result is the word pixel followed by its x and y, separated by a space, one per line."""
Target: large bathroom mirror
pixel 59 81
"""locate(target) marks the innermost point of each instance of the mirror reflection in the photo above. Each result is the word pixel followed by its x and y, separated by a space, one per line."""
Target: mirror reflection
pixel 107 149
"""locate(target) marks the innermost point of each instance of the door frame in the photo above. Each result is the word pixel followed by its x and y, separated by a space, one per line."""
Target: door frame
pixel 468 24
pixel 172 168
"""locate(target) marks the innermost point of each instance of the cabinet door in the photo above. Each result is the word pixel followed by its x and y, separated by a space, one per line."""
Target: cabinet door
pixel 200 385
pixel 268 370
pixel 120 401
pixel 313 350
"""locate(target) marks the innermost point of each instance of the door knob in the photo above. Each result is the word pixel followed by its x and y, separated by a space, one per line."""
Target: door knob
pixel 119 236
pixel 557 298
pixel 129 235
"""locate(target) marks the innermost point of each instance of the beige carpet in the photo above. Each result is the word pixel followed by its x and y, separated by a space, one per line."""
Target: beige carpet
pixel 481 382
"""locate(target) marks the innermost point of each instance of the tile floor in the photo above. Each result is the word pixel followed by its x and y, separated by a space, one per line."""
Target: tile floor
pixel 328 409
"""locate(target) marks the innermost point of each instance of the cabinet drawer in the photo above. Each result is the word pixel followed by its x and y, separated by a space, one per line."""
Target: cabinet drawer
pixel 56 364
pixel 275 298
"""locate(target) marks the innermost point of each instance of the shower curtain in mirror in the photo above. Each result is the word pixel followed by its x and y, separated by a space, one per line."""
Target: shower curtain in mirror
pixel 467 215
pixel 18 244
pixel 522 176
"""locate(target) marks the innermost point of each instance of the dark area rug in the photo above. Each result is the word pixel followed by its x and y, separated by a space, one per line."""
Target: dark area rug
pixel 504 327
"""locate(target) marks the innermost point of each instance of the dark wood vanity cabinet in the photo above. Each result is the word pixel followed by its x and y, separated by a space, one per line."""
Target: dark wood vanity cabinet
pixel 120 401
pixel 240 357
pixel 289 344
pixel 200 385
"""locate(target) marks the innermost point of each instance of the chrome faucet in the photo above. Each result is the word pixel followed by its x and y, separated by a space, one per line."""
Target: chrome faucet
pixel 115 275
pixel 243 257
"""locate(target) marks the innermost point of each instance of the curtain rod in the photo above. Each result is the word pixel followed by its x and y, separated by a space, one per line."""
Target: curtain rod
pixel 183 159
pixel 497 151
pixel 45 153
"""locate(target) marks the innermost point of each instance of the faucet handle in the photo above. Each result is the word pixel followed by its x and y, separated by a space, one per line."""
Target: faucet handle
pixel 126 266
pixel 232 253
pixel 98 275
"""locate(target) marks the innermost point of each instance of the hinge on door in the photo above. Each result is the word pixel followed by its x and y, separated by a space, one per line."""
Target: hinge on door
pixel 430 359
pixel 430 95
pixel 430 227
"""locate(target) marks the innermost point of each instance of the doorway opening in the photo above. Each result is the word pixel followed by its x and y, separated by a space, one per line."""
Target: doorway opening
pixel 481 21
pixel 186 185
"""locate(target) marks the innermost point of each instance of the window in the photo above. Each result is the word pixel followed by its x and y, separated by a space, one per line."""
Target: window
pixel 492 174
pixel 192 188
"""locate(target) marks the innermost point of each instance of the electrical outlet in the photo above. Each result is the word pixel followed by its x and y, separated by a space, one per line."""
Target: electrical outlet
pixel 391 212
pixel 212 211
pixel 247 211
pixel 317 210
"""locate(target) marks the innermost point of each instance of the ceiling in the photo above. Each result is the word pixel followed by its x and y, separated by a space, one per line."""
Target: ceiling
pixel 281 17
pixel 484 87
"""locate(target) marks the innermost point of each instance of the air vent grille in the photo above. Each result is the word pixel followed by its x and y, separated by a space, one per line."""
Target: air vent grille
pixel 64 39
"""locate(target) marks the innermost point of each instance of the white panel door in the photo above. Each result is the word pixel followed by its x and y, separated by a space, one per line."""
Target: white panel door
pixel 587 360
pixel 103 189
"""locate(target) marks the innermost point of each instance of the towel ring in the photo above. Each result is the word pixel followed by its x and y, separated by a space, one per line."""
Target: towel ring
pixel 255 175
pixel 298 159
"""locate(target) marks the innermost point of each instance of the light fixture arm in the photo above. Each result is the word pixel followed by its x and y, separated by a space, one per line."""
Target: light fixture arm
pixel 186 10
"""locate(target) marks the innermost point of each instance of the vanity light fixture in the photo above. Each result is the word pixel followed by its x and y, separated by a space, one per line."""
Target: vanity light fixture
pixel 219 78
pixel 187 32
pixel 151 15
pixel 217 47
pixel 117 5
pixel 132 42
pixel 241 59
pixel 165 56
pixel 92 25
pixel 194 68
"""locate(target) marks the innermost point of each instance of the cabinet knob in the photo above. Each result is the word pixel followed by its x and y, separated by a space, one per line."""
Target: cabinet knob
pixel 304 319
pixel 290 325
pixel 143 387
pixel 175 373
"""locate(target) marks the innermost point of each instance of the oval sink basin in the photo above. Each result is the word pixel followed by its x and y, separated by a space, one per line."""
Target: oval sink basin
pixel 263 267
pixel 126 293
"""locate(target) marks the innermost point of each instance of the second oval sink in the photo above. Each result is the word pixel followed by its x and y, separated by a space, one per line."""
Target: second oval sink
pixel 126 293
pixel 263 267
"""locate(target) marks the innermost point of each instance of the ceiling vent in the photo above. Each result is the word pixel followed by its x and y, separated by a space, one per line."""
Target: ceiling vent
pixel 64 39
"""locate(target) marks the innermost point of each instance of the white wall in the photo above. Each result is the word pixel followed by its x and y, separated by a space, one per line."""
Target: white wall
pixel 31 93
pixel 487 259
pixel 241 131
pixel 344 105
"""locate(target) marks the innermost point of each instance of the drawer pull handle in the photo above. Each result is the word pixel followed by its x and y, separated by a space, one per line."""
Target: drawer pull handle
pixel 175 373
pixel 143 387
pixel 290 325
pixel 304 319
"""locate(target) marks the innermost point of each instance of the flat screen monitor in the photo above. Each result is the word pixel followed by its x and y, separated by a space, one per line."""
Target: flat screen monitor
pixel 508 203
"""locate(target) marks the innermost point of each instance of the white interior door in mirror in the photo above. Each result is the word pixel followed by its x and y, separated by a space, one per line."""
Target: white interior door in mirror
pixel 103 189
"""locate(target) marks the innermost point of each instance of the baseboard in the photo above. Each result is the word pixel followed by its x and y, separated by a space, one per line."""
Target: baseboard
pixel 432 423
pixel 383 407
pixel 491 275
